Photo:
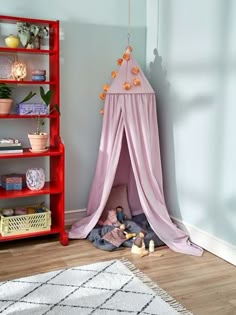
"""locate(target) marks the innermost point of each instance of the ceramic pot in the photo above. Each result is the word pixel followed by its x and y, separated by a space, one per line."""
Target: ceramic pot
pixel 38 142
pixel 5 106
pixel 12 41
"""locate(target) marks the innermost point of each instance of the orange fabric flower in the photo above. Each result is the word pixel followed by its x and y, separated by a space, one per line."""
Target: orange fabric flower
pixel 106 87
pixel 114 74
pixel 119 61
pixel 135 70
pixel 129 48
pixel 127 86
pixel 103 96
pixel 136 82
pixel 102 111
pixel 126 56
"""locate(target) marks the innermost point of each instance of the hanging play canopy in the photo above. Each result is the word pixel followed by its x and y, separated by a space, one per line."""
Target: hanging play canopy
pixel 129 154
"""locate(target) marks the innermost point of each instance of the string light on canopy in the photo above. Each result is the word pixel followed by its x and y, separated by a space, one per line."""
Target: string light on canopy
pixel 136 81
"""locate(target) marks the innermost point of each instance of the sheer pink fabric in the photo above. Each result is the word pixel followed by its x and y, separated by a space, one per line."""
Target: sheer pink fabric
pixel 129 154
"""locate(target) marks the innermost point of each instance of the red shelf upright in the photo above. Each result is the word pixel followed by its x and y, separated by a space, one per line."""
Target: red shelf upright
pixel 56 151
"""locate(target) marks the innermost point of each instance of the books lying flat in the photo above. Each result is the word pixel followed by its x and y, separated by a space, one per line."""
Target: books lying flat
pixel 12 148
pixel 8 150
pixel 9 141
pixel 3 145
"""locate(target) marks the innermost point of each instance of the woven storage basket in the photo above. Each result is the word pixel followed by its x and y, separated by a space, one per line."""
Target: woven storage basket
pixel 29 223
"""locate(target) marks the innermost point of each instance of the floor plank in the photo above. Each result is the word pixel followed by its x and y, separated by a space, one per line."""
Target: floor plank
pixel 205 285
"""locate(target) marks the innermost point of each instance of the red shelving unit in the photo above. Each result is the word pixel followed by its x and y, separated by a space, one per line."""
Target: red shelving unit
pixel 56 152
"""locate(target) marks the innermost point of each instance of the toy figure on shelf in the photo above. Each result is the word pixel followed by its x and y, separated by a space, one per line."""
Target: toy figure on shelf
pixel 120 214
pixel 138 246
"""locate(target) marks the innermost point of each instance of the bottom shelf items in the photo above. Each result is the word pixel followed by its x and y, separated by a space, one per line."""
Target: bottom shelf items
pixel 30 221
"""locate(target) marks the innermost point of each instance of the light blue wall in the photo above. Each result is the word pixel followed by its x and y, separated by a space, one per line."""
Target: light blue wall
pixel 93 36
pixel 195 83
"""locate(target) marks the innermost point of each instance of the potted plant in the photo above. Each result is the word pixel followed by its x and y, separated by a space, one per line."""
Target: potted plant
pixel 5 99
pixel 30 34
pixel 38 139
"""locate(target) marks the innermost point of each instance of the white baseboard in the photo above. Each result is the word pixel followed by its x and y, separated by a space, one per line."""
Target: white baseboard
pixel 209 242
pixel 72 216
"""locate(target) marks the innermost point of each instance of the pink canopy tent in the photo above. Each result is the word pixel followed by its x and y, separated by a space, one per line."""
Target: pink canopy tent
pixel 129 153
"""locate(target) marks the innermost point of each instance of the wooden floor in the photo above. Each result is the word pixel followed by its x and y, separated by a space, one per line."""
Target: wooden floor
pixel 205 285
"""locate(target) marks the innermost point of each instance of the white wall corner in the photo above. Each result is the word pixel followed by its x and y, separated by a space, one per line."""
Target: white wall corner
pixel 209 242
pixel 72 216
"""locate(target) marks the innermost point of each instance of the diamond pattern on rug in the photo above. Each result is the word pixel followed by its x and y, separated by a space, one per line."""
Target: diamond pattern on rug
pixel 16 290
pixel 106 288
pixel 73 277
pixel 132 302
pixel 108 281
pixel 21 308
pixel 83 296
pixel 67 310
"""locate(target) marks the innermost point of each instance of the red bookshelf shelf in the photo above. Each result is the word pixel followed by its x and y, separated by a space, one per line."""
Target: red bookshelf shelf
pixel 28 51
pixel 27 82
pixel 54 230
pixel 16 116
pixel 52 151
pixel 49 188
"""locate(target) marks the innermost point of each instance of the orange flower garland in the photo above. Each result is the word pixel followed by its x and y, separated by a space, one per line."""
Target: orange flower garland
pixel 127 86
pixel 114 74
pixel 126 56
pixel 129 48
pixel 137 82
pixel 103 96
pixel 135 70
pixel 106 87
pixel 119 61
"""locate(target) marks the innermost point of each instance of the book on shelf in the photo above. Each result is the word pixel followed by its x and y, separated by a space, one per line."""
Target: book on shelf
pixel 9 141
pixel 9 151
pixel 4 145
pixel 15 147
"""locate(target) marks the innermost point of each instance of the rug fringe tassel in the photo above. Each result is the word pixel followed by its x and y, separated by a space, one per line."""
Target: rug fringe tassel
pixel 162 293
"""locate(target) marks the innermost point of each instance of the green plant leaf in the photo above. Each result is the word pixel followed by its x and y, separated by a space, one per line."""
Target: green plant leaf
pixel 56 107
pixel 46 97
pixel 28 97
pixel 5 91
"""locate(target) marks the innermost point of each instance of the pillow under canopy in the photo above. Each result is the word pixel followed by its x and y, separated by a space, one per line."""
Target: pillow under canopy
pixel 118 197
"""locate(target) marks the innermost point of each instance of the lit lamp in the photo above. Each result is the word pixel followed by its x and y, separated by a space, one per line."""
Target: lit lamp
pixel 19 70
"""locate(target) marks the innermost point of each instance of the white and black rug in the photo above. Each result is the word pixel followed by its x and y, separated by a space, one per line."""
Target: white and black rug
pixel 106 288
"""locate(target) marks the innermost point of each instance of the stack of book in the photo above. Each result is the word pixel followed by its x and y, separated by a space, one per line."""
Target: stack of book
pixel 9 145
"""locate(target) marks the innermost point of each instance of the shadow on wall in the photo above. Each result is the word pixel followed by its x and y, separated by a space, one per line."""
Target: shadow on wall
pixel 170 109
pixel 199 128
pixel 161 86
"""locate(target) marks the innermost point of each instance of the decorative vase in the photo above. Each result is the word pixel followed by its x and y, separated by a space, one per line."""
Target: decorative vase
pixel 35 178
pixel 5 106
pixel 38 142
pixel 34 43
pixel 12 41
